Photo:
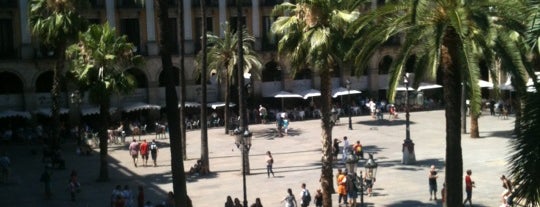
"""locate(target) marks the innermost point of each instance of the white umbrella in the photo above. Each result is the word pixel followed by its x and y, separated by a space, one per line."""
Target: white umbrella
pixel 48 112
pixel 215 105
pixel 11 113
pixel 285 94
pixel 402 88
pixel 485 84
pixel 139 106
pixel 425 86
pixel 343 91
pixel 310 93
pixel 190 104
pixel 94 110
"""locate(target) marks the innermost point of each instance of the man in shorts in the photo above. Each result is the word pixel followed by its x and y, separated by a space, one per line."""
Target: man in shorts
pixel 154 151
pixel 134 151
pixel 144 152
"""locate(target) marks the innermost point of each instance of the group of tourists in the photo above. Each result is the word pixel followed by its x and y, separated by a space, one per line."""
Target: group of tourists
pixel 143 148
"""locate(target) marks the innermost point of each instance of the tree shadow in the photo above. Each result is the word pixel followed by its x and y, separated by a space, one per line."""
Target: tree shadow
pixel 408 203
pixel 384 122
pixel 498 134
pixel 418 166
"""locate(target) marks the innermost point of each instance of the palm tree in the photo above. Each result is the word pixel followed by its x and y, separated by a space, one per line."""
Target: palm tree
pixel 98 61
pixel 180 8
pixel 223 57
pixel 173 114
pixel 204 77
pixel 56 23
pixel 447 35
pixel 524 159
pixel 311 35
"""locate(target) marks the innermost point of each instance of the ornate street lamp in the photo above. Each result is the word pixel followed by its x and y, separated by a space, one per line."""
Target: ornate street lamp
pixel 243 142
pixel 76 100
pixel 408 145
pixel 348 84
pixel 371 171
pixel 351 163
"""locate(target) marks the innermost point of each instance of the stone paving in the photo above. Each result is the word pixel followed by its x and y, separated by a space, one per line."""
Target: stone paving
pixel 297 160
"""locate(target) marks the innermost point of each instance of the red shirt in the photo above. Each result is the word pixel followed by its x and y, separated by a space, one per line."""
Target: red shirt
pixel 144 148
pixel 468 183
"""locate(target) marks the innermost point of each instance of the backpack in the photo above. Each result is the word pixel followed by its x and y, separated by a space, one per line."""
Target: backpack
pixel 358 150
pixel 306 198
pixel 153 147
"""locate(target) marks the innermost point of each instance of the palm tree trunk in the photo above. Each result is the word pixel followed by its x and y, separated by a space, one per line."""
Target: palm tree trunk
pixel 227 100
pixel 327 183
pixel 171 99
pixel 103 138
pixel 452 79
pixel 182 78
pixel 474 125
pixel 204 124
pixel 55 94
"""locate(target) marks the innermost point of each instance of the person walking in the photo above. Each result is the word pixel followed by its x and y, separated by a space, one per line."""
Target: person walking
pixel 144 152
pixel 154 151
pixel 289 200
pixel 432 180
pixel 305 196
pixel 73 184
pixel 46 180
pixel 342 186
pixel 469 184
pixel 369 180
pixel 358 151
pixel 263 113
pixel 346 148
pixel 335 148
pixel 286 126
pixel 257 203
pixel 352 189
pixel 269 163
pixel 507 185
pixel 318 198
pixel 134 151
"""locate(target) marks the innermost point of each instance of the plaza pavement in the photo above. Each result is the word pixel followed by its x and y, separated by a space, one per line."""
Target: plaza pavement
pixel 297 160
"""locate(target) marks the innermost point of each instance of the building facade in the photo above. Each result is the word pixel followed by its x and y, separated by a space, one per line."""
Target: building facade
pixel 26 65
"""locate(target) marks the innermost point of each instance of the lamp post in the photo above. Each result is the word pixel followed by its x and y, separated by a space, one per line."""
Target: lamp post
pixel 243 142
pixel 76 100
pixel 408 145
pixel 348 84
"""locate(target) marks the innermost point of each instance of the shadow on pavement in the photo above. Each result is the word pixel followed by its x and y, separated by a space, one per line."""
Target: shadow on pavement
pixel 419 165
pixel 497 134
pixel 408 203
pixel 384 122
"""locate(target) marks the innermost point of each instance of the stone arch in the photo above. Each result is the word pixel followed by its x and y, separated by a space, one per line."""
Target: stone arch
pixel 271 72
pixel 305 73
pixel 384 65
pixel 10 83
pixel 139 76
pixel 176 73
pixel 410 64
pixel 44 82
